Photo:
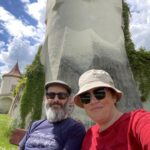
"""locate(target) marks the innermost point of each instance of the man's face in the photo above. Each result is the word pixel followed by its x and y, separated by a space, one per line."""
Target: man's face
pixel 56 103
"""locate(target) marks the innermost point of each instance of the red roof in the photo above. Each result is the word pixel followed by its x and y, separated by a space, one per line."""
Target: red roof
pixel 15 72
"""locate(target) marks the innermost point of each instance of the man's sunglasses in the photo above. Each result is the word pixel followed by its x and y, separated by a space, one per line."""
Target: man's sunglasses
pixel 60 95
pixel 99 94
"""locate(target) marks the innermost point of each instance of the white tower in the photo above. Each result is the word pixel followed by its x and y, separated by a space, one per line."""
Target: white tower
pixel 9 82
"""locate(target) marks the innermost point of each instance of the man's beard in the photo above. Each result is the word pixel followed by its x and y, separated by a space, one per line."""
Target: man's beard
pixel 55 113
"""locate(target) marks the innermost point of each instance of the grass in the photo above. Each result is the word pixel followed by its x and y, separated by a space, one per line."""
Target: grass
pixel 5 130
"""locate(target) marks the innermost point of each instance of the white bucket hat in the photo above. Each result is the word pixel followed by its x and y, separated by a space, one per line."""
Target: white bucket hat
pixel 92 79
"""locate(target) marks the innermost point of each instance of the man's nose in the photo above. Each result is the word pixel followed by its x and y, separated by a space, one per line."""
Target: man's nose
pixel 56 98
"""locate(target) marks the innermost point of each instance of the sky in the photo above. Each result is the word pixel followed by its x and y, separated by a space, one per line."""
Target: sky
pixel 22 29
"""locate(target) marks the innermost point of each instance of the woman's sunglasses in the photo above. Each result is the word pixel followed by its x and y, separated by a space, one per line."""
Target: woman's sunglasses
pixel 60 95
pixel 99 94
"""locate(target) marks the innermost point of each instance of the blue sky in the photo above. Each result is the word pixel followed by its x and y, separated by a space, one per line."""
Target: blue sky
pixel 22 29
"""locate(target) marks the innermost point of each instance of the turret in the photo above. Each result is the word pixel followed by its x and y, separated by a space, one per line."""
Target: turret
pixel 10 79
pixel 9 82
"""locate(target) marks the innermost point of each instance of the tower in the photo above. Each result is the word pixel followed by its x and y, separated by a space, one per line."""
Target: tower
pixel 8 84
pixel 88 34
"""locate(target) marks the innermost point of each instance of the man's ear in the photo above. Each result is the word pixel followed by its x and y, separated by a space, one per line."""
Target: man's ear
pixel 44 98
pixel 70 98
pixel 71 104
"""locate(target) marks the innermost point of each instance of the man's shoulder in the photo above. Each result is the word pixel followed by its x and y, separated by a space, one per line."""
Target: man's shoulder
pixel 73 128
pixel 71 123
pixel 37 123
pixel 74 121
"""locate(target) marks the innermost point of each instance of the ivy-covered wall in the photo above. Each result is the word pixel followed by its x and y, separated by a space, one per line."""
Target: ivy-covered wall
pixel 32 97
pixel 139 59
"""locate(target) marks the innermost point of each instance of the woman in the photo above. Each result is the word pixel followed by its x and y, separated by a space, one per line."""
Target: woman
pixel 113 130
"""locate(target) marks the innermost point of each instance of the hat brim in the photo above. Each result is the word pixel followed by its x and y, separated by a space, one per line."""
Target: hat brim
pixel 91 86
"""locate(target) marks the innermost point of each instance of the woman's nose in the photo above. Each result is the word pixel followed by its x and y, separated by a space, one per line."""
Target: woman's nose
pixel 93 98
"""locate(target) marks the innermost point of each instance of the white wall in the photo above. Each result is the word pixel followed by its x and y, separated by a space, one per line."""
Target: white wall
pixel 7 84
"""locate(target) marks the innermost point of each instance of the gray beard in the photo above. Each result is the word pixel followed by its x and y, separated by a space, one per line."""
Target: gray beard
pixel 55 115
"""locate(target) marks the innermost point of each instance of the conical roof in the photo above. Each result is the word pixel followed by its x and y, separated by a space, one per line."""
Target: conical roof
pixel 15 71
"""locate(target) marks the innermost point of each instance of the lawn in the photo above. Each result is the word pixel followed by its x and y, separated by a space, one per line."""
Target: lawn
pixel 5 128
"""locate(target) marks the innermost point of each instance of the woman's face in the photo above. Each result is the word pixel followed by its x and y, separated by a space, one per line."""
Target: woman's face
pixel 102 108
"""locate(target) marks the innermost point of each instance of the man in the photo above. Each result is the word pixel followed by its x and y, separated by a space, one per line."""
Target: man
pixel 114 130
pixel 58 131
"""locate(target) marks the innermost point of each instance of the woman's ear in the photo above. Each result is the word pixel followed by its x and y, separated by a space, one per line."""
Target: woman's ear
pixel 114 96
pixel 115 99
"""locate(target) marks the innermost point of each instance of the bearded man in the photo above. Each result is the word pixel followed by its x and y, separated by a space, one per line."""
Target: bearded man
pixel 59 131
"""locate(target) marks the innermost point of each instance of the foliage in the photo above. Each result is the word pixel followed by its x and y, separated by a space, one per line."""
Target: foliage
pixel 140 62
pixel 21 84
pixel 129 45
pixel 139 59
pixel 5 131
pixel 32 97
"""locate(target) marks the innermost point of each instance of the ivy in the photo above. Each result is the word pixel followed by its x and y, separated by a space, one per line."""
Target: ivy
pixel 21 84
pixel 139 59
pixel 32 97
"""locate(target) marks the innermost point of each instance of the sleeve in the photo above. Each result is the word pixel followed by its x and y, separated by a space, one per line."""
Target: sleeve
pixel 141 128
pixel 75 137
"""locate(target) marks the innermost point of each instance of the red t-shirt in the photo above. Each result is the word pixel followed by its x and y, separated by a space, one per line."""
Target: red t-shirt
pixel 130 132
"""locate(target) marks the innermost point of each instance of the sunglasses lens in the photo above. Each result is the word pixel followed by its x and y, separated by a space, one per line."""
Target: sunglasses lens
pixel 51 95
pixel 99 93
pixel 85 98
pixel 62 95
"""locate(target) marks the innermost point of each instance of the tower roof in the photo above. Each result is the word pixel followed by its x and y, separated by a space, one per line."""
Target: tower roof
pixel 14 72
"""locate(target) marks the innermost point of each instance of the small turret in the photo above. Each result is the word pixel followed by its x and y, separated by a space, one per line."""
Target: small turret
pixel 9 82
pixel 15 72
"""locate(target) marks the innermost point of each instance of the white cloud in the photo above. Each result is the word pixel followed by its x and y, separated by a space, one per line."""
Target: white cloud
pixel 17 28
pixel 25 1
pixel 3 57
pixel 37 10
pixel 18 50
pixel 140 22
pixel 14 26
pixel 2 44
